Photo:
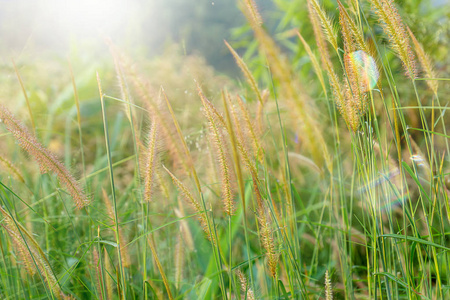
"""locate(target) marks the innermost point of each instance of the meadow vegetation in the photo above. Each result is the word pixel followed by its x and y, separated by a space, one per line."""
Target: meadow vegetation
pixel 322 174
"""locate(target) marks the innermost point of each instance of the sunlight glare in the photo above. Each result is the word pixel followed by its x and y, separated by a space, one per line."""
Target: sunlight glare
pixel 87 17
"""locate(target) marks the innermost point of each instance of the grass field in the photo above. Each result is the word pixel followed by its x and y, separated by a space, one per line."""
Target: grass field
pixel 133 178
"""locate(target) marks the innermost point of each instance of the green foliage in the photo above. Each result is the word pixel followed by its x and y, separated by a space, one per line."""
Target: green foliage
pixel 200 189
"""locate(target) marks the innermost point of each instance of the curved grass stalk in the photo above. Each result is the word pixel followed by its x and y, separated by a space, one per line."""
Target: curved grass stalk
pixel 121 274
pixel 193 172
pixel 393 26
pixel 294 94
pixel 222 157
pixel 240 180
pixel 12 168
pixel 45 158
pixel 31 253
pixel 246 71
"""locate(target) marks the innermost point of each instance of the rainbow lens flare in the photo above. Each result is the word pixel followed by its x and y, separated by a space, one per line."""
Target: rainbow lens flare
pixel 366 69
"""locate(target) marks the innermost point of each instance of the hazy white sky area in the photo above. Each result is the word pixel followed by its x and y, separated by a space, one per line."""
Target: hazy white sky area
pixel 54 24
pixel 39 27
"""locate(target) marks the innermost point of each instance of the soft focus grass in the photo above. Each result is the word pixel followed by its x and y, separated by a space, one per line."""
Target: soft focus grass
pixel 204 188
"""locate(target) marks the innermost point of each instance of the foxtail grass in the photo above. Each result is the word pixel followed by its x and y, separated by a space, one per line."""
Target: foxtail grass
pixel 45 158
pixel 246 71
pixel 99 274
pixel 425 63
pixel 125 258
pixel 226 170
pixel 243 195
pixel 245 289
pixel 32 255
pixel 326 22
pixel 189 198
pixel 395 29
pixel 151 162
pixel 11 168
pixel 293 92
pixel 151 243
pixel 328 287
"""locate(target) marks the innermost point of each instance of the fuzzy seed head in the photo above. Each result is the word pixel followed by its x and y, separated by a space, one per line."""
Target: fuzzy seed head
pixel 328 288
pixel 245 289
pixel 45 158
pixel 425 62
pixel 150 165
pixel 395 29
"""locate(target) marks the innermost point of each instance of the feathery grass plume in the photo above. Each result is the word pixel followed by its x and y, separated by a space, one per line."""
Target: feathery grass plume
pixel 123 245
pixel 207 227
pixel 350 105
pixel 246 71
pixel 358 84
pixel 361 74
pixel 294 93
pixel 318 34
pixel 212 168
pixel 258 151
pixel 184 227
pixel 124 90
pixel 314 61
pixel 108 280
pixel 187 153
pixel 189 198
pixel 326 22
pixel 151 243
pixel 30 252
pixel 210 106
pixel 12 168
pixel 353 30
pixel 47 160
pixel 151 158
pixel 364 72
pixel 239 177
pixel 245 288
pixel 256 17
pixel 226 170
pixel 21 249
pixel 162 183
pixel 317 16
pixel 357 66
pixel 350 110
pixel 393 26
pixel 167 129
pixel 340 96
pixel 328 288
pixel 266 236
pixel 347 37
pixel 265 226
pixel 238 146
pixel 98 269
pixel 278 62
pixel 179 259
pixel 241 146
pixel 425 62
